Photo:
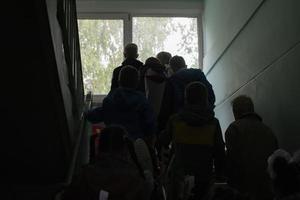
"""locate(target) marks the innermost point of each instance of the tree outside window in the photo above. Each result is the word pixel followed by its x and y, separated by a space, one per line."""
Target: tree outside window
pixel 101 45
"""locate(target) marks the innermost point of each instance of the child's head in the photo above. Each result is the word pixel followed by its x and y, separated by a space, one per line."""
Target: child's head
pixel 196 94
pixel 242 105
pixel 151 61
pixel 177 63
pixel 128 77
pixel 164 57
pixel 154 64
pixel 131 51
pixel 284 171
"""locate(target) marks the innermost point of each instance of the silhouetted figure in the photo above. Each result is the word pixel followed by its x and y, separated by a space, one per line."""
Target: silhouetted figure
pixel 154 77
pixel 131 55
pixel 154 82
pixel 173 99
pixel 249 143
pixel 127 106
pixel 284 171
pixel 164 58
pixel 150 62
pixel 113 175
pixel 197 140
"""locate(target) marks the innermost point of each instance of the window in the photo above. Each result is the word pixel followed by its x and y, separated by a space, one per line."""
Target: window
pixel 177 35
pixel 102 38
pixel 101 46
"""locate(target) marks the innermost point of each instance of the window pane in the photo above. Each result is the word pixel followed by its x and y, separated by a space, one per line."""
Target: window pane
pixel 177 35
pixel 101 46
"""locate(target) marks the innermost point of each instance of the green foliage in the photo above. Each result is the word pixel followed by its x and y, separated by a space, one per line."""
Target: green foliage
pixel 149 34
pixel 101 45
pixel 189 40
pixel 153 34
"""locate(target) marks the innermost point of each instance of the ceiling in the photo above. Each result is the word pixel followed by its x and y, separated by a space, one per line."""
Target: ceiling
pixel 161 7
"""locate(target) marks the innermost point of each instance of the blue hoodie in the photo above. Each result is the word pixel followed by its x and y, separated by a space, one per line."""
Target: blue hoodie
pixel 173 100
pixel 179 81
pixel 129 108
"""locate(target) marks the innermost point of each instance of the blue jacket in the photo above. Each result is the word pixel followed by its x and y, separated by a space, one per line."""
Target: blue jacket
pixel 129 108
pixel 173 100
pixel 185 76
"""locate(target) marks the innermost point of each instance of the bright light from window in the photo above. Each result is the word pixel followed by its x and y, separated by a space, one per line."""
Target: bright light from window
pixel 101 46
pixel 177 35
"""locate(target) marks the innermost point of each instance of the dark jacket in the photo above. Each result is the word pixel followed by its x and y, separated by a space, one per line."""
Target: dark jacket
pixel 129 61
pixel 182 78
pixel 154 85
pixel 129 108
pixel 115 175
pixel 173 100
pixel 249 143
pixel 158 74
pixel 198 142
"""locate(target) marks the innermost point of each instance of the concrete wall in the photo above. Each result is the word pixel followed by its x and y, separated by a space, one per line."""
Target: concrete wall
pixel 253 47
pixel 138 7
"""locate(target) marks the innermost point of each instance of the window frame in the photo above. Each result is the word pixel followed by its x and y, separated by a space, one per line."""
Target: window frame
pixel 127 38
pixel 127 24
pixel 127 18
pixel 199 28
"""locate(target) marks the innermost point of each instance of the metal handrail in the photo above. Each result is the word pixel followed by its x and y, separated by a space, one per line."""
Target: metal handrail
pixel 61 186
pixel 87 106
pixel 67 18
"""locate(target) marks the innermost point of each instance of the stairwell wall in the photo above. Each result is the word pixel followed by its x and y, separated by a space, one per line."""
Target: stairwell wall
pixel 253 48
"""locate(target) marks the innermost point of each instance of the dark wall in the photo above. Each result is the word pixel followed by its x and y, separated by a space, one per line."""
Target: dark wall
pixel 65 40
pixel 253 47
pixel 36 135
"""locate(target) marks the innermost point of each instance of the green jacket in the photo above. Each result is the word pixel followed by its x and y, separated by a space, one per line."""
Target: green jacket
pixel 198 144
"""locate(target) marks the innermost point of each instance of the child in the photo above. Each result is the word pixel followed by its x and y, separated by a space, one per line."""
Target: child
pixel 197 140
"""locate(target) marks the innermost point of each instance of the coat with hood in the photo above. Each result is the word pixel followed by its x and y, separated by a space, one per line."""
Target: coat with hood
pixel 182 78
pixel 154 84
pixel 249 143
pixel 129 108
pixel 198 143
pixel 128 61
pixel 173 99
